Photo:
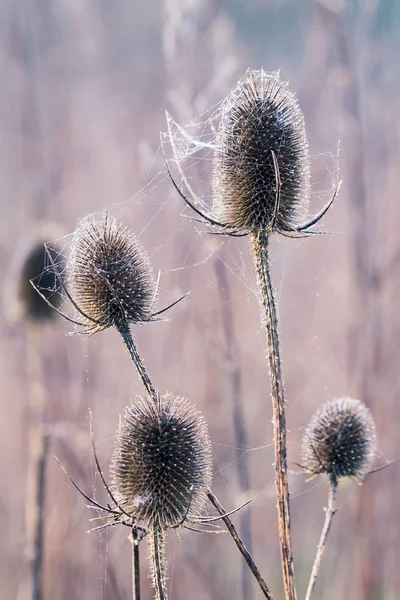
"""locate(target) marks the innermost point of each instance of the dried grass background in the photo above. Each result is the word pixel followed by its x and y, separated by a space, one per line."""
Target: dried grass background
pixel 84 88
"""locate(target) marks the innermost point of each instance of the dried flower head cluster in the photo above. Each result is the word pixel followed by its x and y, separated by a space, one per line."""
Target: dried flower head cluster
pixel 110 278
pixel 260 117
pixel 161 468
pixel 339 440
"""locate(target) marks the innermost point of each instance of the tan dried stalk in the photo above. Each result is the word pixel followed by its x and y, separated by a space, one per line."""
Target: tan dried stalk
pixel 260 248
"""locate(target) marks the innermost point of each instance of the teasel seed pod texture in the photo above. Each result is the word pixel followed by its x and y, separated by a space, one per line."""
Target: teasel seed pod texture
pixel 161 470
pixel 259 117
pixel 110 277
pixel 340 440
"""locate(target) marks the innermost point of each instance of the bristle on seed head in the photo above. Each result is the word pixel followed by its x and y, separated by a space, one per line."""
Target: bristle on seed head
pixel 339 440
pixel 110 278
pixel 161 468
pixel 260 117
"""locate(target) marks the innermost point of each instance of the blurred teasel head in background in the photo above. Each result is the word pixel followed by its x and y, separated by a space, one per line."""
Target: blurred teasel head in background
pixel 162 464
pixel 34 260
pixel 339 440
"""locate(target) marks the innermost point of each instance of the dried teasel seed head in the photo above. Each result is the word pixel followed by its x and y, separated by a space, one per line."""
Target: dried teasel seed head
pixel 339 440
pixel 161 468
pixel 110 277
pixel 32 262
pixel 259 117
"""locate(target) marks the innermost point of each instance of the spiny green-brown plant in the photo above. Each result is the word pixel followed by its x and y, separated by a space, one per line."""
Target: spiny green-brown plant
pixel 339 441
pixel 260 118
pixel 109 275
pixel 161 471
pixel 110 283
pixel 261 185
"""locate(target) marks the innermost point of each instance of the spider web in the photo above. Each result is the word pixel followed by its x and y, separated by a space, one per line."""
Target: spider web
pixel 189 151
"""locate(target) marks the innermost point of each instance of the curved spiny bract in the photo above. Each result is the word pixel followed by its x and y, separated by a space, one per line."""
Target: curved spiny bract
pixel 110 278
pixel 161 468
pixel 339 440
pixel 260 118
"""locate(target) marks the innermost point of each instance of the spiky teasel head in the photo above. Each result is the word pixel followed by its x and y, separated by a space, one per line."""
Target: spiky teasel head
pixel 161 469
pixel 34 261
pixel 339 440
pixel 260 118
pixel 110 278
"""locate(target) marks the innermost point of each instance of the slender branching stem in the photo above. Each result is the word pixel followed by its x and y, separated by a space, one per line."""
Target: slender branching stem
pixel 242 548
pixel 134 540
pixel 129 343
pixel 330 512
pixel 260 246
pixel 157 559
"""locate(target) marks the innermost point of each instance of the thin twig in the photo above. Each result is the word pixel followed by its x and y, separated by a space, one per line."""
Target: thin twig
pixel 330 511
pixel 129 343
pixel 260 246
pixel 134 540
pixel 242 548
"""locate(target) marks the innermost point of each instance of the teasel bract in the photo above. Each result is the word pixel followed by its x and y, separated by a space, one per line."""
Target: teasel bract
pixel 161 471
pixel 261 185
pixel 338 442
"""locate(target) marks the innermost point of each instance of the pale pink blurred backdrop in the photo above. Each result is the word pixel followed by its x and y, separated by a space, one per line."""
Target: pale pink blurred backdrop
pixel 85 86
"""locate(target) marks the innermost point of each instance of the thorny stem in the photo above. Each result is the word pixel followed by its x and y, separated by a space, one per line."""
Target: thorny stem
pixel 157 558
pixel 260 247
pixel 129 343
pixel 330 512
pixel 134 540
pixel 242 548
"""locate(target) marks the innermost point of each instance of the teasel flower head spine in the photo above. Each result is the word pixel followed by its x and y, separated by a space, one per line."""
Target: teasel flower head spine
pixel 340 440
pixel 110 278
pixel 161 469
pixel 261 118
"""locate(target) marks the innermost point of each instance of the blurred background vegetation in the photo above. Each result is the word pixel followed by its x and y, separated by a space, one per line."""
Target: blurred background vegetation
pixel 84 88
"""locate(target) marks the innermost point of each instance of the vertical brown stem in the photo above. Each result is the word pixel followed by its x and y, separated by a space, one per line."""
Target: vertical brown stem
pixel 260 247
pixel 157 561
pixel 133 538
pixel 330 512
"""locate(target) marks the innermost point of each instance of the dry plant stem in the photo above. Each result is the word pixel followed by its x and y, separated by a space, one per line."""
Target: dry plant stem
pixel 133 538
pixel 157 558
pixel 38 450
pixel 330 511
pixel 260 247
pixel 37 563
pixel 242 548
pixel 129 343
